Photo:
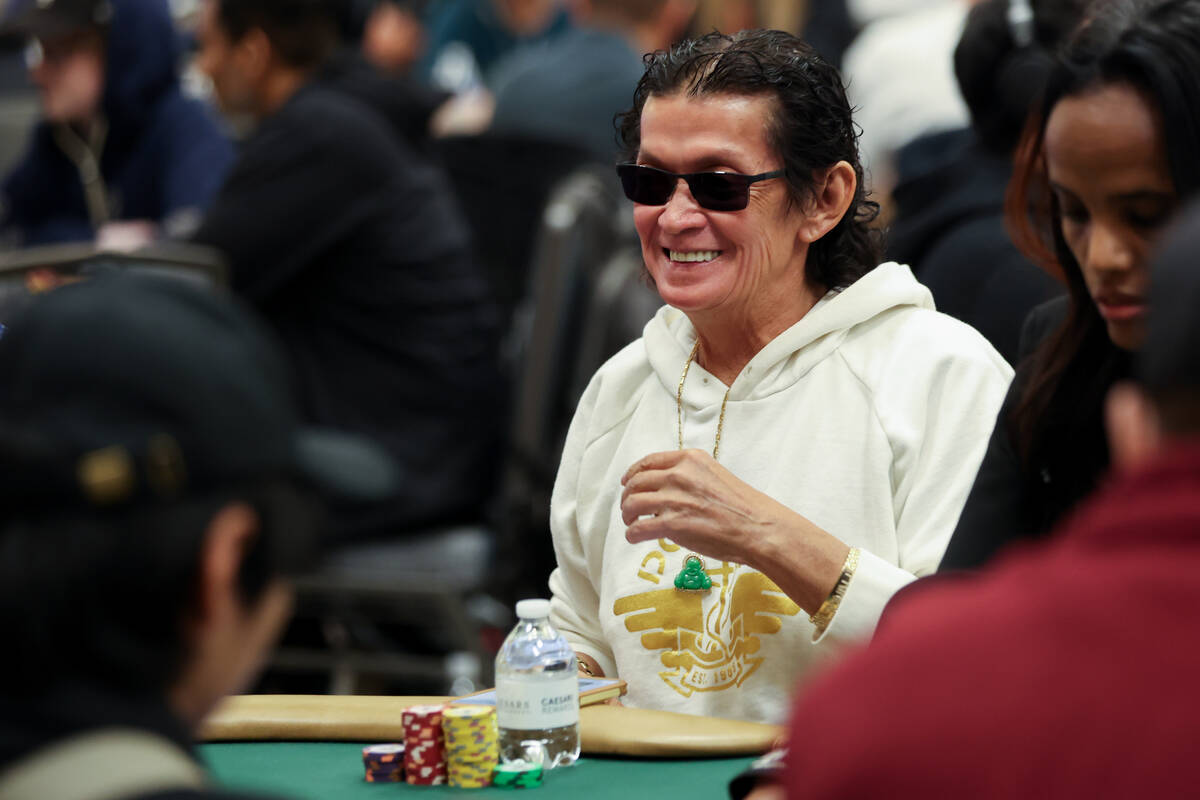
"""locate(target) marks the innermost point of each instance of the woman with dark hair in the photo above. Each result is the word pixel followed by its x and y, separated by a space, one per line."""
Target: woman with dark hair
pixel 796 429
pixel 1105 160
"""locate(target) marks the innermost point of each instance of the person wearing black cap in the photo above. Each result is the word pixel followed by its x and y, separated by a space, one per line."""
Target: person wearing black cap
pixel 1064 669
pixel 121 155
pixel 158 491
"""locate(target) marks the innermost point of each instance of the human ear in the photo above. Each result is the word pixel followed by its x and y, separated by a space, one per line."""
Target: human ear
pixel 253 54
pixel 1134 429
pixel 226 540
pixel 832 195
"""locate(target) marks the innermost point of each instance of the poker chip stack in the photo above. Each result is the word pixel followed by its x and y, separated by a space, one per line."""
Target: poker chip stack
pixel 472 745
pixel 424 750
pixel 518 775
pixel 384 763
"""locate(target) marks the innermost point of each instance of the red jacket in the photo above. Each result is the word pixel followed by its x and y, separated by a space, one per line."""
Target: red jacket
pixel 1070 669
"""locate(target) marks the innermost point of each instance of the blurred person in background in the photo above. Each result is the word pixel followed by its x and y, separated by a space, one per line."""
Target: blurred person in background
pixel 737 15
pixel 900 77
pixel 19 106
pixel 1065 669
pixel 948 205
pixel 570 88
pixel 348 242
pixel 466 38
pixel 393 36
pixel 121 156
pixel 1113 149
pixel 406 104
pixel 159 493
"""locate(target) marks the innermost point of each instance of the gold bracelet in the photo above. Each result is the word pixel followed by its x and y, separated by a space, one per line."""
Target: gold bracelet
pixel 825 613
pixel 585 668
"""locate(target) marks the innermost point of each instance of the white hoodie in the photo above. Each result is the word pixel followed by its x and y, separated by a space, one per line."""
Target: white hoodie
pixel 869 416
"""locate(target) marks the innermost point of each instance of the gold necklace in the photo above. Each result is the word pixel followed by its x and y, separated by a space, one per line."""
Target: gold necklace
pixel 679 404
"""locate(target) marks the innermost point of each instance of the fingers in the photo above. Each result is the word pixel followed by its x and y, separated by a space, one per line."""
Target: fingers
pixel 647 529
pixel 663 490
pixel 651 475
pixel 661 484
pixel 656 461
pixel 648 503
pixel 655 480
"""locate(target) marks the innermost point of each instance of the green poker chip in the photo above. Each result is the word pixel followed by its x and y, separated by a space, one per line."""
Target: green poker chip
pixel 517 775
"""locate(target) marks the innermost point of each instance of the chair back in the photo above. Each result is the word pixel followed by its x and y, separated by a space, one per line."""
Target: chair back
pixel 556 337
pixel 26 272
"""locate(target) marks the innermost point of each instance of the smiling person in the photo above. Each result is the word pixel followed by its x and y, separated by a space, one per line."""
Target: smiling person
pixel 797 423
pixel 1112 152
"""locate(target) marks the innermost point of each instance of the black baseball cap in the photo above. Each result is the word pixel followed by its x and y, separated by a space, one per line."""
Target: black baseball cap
pixel 1169 360
pixel 49 19
pixel 132 388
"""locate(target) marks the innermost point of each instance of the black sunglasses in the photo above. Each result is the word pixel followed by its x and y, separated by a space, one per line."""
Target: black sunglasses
pixel 716 191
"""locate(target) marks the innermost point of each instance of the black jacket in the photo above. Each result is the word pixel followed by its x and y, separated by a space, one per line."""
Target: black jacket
pixel 30 722
pixel 351 247
pixel 949 227
pixel 1015 499
pixel 404 104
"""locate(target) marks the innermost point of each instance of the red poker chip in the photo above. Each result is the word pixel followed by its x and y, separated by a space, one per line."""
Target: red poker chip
pixel 426 776
pixel 424 757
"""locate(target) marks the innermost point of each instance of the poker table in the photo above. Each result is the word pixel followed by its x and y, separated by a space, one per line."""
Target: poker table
pixel 310 747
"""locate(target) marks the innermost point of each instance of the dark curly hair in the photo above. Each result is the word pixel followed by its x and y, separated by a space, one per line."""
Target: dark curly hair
pixel 811 130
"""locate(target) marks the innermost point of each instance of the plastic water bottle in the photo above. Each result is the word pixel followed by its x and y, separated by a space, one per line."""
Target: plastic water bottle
pixel 537 691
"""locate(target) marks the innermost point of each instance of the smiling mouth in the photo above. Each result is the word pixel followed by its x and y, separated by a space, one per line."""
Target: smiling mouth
pixel 691 256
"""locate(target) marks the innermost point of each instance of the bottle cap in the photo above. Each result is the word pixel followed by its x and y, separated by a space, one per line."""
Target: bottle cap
pixel 533 609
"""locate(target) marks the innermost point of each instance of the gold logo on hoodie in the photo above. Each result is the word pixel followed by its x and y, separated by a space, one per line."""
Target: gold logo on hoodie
pixel 714 649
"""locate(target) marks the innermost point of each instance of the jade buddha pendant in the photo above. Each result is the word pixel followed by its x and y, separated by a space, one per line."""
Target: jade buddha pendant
pixel 693 578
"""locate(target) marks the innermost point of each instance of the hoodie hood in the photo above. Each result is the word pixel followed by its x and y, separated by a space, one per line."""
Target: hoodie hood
pixel 143 53
pixel 669 337
pixel 946 180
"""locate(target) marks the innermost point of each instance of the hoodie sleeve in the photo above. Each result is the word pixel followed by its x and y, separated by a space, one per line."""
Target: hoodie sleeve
pixel 937 398
pixel 575 599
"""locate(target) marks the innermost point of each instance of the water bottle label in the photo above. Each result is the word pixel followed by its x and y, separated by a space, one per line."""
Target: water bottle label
pixel 537 705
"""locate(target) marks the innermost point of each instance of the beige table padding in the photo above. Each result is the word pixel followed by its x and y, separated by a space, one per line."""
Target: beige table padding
pixel 606 730
pixel 620 731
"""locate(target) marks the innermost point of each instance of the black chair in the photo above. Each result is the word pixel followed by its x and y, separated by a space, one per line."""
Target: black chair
pixel 502 183
pixel 26 271
pixel 558 340
pixel 410 611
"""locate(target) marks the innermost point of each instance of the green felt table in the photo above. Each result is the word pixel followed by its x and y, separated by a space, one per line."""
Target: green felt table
pixel 333 770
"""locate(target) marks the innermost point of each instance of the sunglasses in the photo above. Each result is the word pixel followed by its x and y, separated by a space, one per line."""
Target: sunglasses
pixel 716 191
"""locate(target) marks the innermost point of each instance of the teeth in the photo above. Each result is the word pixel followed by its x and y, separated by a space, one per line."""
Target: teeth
pixel 694 255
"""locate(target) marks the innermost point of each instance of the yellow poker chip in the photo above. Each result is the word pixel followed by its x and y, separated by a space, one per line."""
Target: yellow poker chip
pixel 468 711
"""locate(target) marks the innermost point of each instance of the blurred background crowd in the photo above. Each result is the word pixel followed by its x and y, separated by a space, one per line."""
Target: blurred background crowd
pixel 418 196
